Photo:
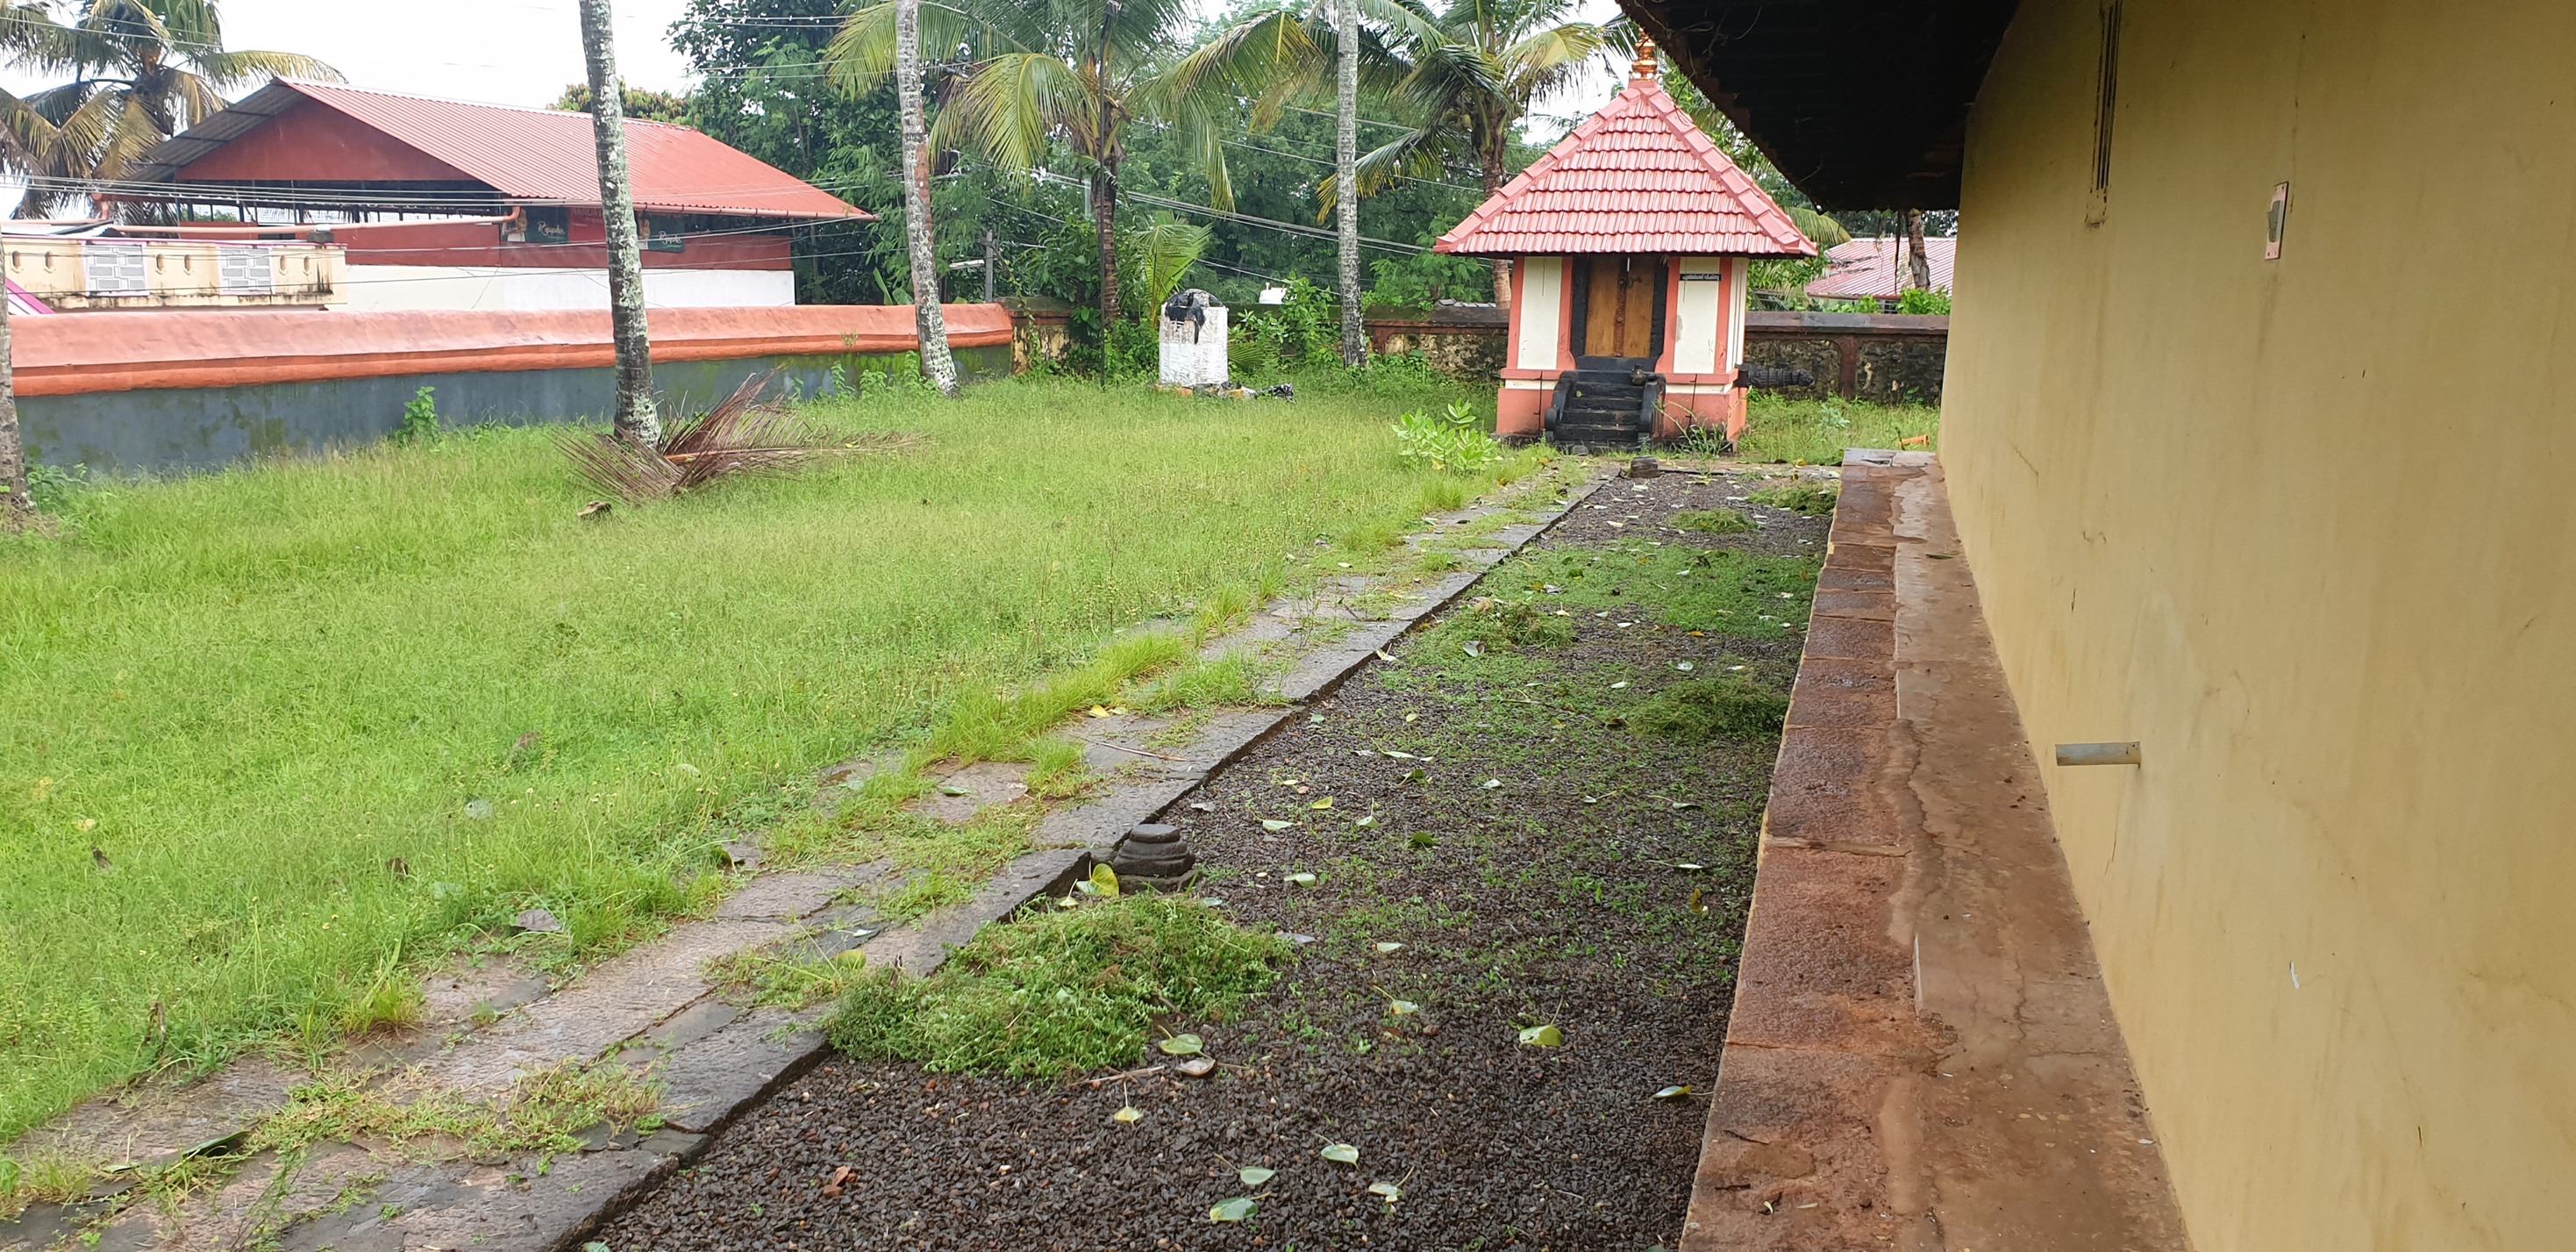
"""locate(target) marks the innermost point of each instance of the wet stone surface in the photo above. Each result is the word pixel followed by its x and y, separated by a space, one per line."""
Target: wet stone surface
pixel 1540 863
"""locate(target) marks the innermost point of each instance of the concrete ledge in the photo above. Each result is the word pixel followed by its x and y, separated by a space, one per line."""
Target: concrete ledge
pixel 1921 1055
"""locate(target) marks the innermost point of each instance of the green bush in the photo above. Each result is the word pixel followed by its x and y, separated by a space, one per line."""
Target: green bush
pixel 1454 439
pixel 1704 710
pixel 419 417
pixel 1919 300
pixel 1057 992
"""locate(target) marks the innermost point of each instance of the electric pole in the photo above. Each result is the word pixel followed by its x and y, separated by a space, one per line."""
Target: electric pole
pixel 635 418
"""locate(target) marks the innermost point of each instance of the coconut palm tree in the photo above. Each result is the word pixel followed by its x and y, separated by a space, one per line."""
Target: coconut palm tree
pixel 1050 77
pixel 1474 70
pixel 141 71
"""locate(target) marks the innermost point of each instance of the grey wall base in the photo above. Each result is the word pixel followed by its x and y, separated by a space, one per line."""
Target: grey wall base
pixel 196 428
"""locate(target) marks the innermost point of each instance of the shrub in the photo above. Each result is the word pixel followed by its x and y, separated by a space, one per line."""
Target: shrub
pixel 1704 710
pixel 419 417
pixel 1455 439
pixel 1919 300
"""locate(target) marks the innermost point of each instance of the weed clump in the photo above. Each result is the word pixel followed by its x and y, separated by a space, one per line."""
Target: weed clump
pixel 1058 992
pixel 1812 498
pixel 541 1113
pixel 1453 439
pixel 1704 710
pixel 1507 624
pixel 1713 521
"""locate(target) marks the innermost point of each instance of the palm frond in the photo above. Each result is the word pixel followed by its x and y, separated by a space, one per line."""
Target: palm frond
pixel 861 54
pixel 227 70
pixel 1011 105
pixel 24 135
pixel 1551 53
pixel 130 136
pixel 1167 248
pixel 1254 57
pixel 1822 230
pixel 742 436
pixel 1414 154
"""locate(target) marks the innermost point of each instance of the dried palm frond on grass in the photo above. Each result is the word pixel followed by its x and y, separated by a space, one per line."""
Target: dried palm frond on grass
pixel 741 436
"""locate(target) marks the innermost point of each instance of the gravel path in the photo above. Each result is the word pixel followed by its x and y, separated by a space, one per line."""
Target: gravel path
pixel 1540 864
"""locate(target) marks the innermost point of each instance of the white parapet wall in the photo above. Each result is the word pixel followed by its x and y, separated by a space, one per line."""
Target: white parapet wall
pixel 392 288
pixel 1194 351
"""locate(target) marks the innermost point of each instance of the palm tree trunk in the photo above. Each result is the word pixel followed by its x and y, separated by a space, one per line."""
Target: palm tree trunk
pixel 17 508
pixel 1918 266
pixel 1346 155
pixel 1502 268
pixel 926 314
pixel 635 418
pixel 1104 219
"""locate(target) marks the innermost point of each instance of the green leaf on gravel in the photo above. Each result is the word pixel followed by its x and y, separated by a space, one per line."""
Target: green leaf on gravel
pixel 1238 1209
pixel 1130 1115
pixel 947 790
pixel 1366 822
pixel 1392 1192
pixel 1403 1008
pixel 1254 1175
pixel 1492 783
pixel 1183 1045
pixel 1272 823
pixel 1325 803
pixel 1302 880
pixel 1403 756
pixel 1690 867
pixel 1425 839
pixel 1340 1154
pixel 1389 945
pixel 1674 1093
pixel 1542 1036
pixel 1416 775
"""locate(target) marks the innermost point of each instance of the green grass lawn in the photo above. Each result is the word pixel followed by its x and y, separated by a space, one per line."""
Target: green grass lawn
pixel 1815 432
pixel 266 735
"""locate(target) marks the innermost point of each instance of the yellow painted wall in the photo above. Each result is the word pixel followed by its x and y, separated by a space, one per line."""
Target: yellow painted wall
pixel 2307 529
pixel 181 273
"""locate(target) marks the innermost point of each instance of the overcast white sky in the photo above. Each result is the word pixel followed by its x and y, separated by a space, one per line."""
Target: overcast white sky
pixel 498 51
pixel 522 52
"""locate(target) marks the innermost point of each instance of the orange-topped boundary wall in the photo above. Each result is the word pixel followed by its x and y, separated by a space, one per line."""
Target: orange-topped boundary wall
pixel 80 354
pixel 177 390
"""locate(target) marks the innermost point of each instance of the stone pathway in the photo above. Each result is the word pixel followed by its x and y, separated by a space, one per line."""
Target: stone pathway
pixel 655 1007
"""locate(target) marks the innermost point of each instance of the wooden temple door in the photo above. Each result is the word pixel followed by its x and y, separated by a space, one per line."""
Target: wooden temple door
pixel 1619 312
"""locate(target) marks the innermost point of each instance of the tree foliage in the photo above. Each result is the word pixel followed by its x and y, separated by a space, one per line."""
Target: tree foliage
pixel 651 106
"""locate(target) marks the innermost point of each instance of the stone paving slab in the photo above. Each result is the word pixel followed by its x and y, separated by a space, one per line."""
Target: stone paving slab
pixel 705 1084
pixel 621 998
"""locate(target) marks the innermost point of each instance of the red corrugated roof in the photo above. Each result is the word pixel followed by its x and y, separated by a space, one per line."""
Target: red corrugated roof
pixel 1869 267
pixel 1636 177
pixel 539 154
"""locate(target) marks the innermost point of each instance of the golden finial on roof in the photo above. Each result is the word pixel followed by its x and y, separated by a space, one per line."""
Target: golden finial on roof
pixel 1645 70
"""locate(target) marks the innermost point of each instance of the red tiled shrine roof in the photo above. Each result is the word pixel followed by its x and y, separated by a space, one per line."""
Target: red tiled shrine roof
pixel 1637 177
